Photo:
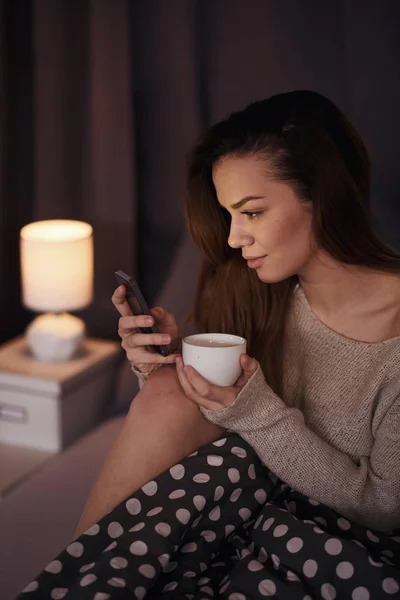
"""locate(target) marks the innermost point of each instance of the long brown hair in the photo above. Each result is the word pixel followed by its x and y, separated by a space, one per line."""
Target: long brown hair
pixel 312 146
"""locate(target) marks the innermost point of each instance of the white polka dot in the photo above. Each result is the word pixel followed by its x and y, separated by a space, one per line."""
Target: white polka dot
pixel 372 536
pixel 375 563
pixel 262 555
pixel 101 596
pixel 214 460
pixel 195 453
pixel 345 570
pixel 93 530
pixel 31 587
pixel 203 567
pixel 150 488
pixel 140 592
pixel 189 547
pixel 252 471
pixel 280 531
pixel 177 494
pixel 118 562
pixel 215 514
pixel 138 548
pixel 328 592
pixel 229 529
pixel 86 567
pixel 183 516
pixel 260 496
pixel 343 524
pixel 236 596
pixel 233 475
pixel 396 539
pixel 54 567
pixel 206 590
pixel 224 587
pixel 172 585
pixel 313 502
pixel 235 494
pixel 114 529
pixel 163 529
pixel 245 513
pixel 267 587
pixel 154 511
pixel 75 549
pixel 255 565
pixel 219 492
pixel 189 574
pixel 310 568
pixel 388 553
pixel 88 579
pixel 199 502
pixel 163 559
pixel 268 524
pixel 275 561
pixel 220 442
pixel 133 506
pixel 177 471
pixel 117 582
pixel 208 535
pixel 360 593
pixel 257 523
pixel 387 561
pixel 197 521
pixel 359 544
pixel 333 547
pixel 318 530
pixel 169 567
pixel 58 593
pixel 201 478
pixel 110 547
pixel 137 527
pixel 307 597
pixel 147 571
pixel 292 576
pixel 390 585
pixel 321 521
pixel 240 452
pixel 294 545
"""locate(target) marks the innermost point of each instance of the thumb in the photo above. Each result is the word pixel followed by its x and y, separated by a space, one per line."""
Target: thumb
pixel 163 317
pixel 249 366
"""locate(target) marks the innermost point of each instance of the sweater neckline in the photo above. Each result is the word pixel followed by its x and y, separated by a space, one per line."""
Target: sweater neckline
pixel 324 327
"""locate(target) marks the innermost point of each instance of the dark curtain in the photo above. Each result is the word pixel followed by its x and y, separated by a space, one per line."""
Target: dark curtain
pixel 103 98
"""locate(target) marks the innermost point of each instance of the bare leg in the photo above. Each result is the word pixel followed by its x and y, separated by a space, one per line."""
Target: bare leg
pixel 161 428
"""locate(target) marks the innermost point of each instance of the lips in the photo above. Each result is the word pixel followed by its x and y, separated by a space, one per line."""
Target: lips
pixel 255 263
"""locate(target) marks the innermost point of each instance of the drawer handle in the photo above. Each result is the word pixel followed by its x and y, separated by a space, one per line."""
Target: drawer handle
pixel 16 414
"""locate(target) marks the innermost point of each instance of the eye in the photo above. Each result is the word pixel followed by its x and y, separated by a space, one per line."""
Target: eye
pixel 253 214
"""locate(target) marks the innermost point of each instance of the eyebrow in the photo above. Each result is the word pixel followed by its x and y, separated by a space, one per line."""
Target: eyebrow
pixel 243 201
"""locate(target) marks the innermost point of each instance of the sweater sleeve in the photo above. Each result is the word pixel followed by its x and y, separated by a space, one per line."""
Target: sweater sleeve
pixel 368 492
pixel 142 377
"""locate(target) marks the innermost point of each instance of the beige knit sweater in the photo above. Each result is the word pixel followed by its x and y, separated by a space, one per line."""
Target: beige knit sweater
pixel 335 434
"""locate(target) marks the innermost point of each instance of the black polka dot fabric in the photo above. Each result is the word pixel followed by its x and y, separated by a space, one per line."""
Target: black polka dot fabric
pixel 220 525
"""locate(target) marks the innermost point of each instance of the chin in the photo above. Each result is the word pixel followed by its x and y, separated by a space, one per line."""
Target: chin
pixel 268 276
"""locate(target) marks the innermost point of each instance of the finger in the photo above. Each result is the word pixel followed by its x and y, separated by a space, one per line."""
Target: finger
pixel 134 340
pixel 189 389
pixel 249 366
pixel 217 395
pixel 119 301
pixel 163 317
pixel 127 323
pixel 150 358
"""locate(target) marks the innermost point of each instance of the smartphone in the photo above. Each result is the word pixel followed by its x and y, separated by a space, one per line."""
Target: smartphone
pixel 138 306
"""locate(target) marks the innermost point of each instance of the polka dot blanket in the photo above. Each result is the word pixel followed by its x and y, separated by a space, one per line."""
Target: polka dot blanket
pixel 220 525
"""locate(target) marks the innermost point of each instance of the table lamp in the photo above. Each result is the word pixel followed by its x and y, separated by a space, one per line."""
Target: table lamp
pixel 57 276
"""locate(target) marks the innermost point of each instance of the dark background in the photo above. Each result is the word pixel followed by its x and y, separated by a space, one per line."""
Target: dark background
pixel 101 99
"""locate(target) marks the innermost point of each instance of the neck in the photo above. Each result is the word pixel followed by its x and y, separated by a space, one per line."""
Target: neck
pixel 331 286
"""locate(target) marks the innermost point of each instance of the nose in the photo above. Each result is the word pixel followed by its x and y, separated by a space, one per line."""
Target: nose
pixel 238 237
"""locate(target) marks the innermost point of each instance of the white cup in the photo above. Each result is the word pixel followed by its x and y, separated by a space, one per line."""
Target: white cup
pixel 216 356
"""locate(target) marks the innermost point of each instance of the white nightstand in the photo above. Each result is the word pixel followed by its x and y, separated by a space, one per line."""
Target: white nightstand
pixel 44 407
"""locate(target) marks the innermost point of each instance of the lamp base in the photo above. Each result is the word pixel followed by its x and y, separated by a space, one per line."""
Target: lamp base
pixel 55 337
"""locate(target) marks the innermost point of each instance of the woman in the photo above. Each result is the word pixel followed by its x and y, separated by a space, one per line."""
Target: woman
pixel 278 203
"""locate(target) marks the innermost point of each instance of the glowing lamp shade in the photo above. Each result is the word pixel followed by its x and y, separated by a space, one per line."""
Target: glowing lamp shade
pixel 57 276
pixel 57 265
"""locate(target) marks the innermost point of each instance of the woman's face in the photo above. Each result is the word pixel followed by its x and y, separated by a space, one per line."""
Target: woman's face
pixel 272 225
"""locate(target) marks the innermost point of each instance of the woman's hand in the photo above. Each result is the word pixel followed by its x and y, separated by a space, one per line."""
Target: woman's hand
pixel 207 395
pixel 136 344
